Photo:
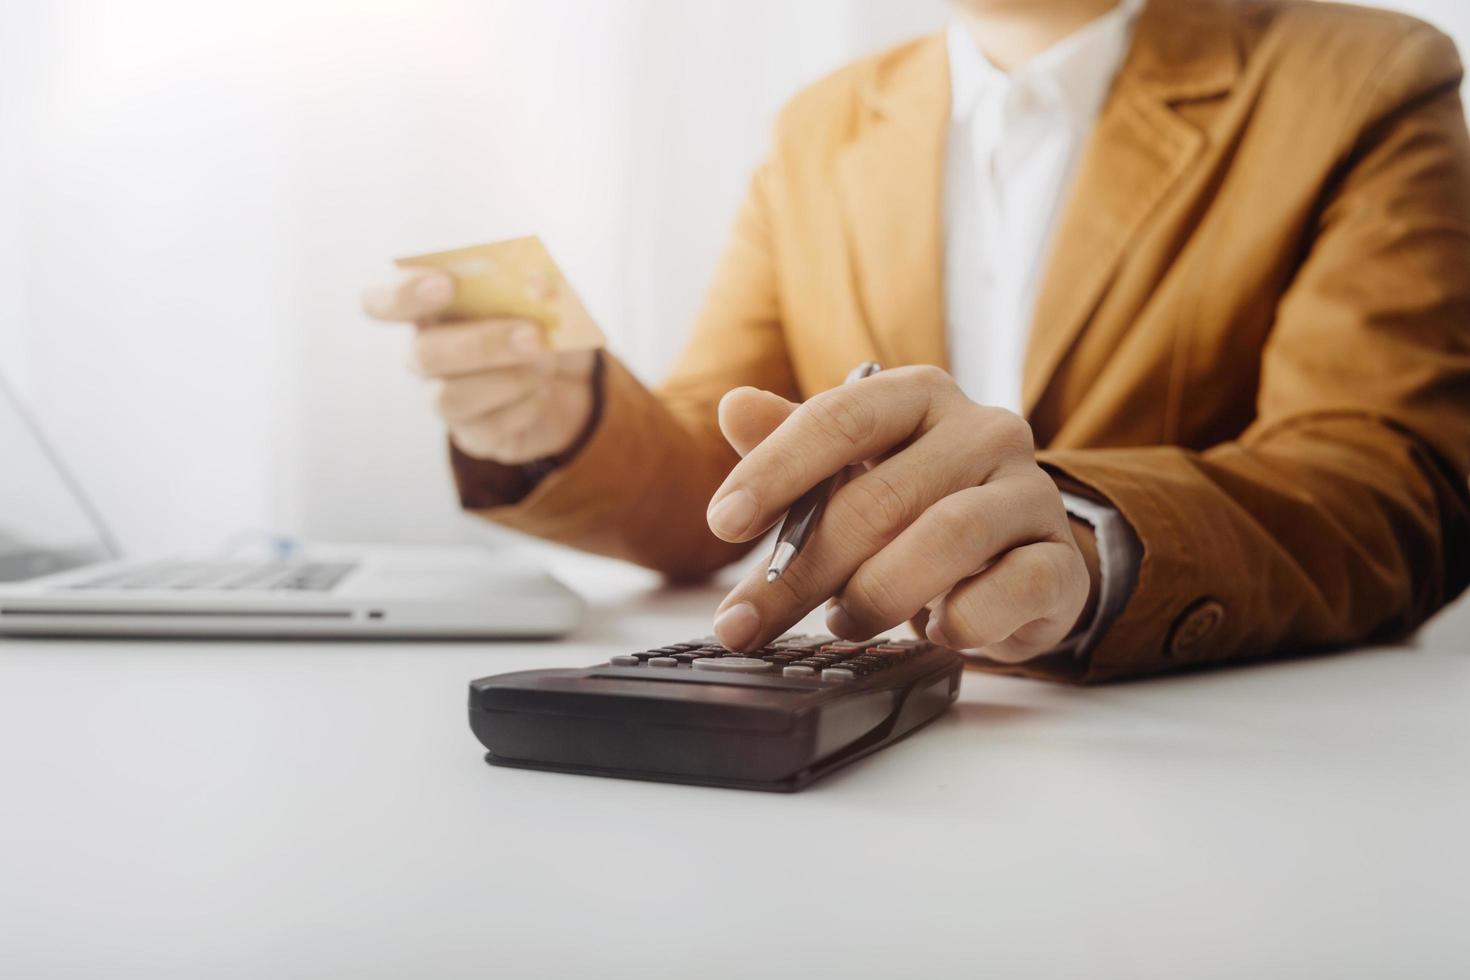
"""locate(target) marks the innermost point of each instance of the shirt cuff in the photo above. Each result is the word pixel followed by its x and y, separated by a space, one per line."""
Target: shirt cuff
pixel 1119 553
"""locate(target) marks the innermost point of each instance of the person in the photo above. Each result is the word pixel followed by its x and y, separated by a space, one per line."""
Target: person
pixel 1173 303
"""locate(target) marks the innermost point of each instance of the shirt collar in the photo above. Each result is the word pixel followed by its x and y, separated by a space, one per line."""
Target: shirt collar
pixel 1079 69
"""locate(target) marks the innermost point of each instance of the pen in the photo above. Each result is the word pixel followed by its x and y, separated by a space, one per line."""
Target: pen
pixel 802 518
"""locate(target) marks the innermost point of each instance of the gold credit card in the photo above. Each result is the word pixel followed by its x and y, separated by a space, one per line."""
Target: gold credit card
pixel 514 278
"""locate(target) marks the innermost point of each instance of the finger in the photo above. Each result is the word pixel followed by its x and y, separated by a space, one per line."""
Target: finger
pixel 864 515
pixel 850 424
pixel 749 415
pixel 847 424
pixel 952 540
pixel 476 396
pixel 453 349
pixel 414 294
pixel 1021 606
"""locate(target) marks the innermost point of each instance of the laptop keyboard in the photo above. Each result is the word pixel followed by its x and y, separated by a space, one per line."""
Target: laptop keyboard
pixel 228 576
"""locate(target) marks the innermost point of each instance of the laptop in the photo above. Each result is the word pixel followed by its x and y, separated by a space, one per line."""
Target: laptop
pixel 62 573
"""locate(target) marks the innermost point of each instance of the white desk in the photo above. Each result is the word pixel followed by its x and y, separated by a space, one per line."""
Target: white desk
pixel 222 810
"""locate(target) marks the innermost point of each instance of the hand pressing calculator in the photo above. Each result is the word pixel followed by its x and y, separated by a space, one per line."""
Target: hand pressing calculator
pixel 773 719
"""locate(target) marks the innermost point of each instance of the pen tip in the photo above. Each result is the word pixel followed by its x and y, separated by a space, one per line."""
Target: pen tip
pixel 785 551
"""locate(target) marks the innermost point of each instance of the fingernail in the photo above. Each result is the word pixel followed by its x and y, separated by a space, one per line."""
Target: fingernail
pixel 730 517
pixel 840 623
pixel 737 626
pixel 433 289
pixel 526 339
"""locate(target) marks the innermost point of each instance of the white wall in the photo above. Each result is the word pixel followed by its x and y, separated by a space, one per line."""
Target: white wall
pixel 191 195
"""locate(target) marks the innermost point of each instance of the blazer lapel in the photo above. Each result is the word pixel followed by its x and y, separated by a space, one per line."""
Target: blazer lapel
pixel 889 181
pixel 1138 151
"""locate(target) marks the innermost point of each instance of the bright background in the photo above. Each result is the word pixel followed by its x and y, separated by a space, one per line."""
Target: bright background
pixel 193 194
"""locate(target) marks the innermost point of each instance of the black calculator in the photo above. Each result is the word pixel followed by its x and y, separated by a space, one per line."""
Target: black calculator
pixel 773 719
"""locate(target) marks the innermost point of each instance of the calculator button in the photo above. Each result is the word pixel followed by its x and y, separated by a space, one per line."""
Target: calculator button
pixel 663 662
pixel 838 674
pixel 625 660
pixel 797 670
pixel 744 665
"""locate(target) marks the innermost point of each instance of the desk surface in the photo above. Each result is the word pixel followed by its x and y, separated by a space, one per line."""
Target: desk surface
pixel 245 809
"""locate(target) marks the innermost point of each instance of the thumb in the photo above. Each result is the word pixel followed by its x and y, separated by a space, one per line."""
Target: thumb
pixel 748 415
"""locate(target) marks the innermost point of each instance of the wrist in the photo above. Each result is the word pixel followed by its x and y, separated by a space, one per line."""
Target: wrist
pixel 484 484
pixel 1113 554
pixel 538 469
pixel 1085 536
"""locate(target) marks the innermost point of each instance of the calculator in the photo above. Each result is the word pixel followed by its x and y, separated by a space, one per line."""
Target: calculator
pixel 773 719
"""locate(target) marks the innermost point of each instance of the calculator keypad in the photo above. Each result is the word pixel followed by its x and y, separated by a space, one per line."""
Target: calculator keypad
pixel 805 657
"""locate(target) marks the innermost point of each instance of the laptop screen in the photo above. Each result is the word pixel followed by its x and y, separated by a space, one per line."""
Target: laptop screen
pixel 45 525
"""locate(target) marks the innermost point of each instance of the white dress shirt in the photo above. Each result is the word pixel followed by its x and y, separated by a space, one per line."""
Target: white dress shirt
pixel 1014 141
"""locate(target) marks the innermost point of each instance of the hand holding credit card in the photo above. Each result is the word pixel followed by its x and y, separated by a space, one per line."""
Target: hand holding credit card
pixel 514 278
pixel 508 349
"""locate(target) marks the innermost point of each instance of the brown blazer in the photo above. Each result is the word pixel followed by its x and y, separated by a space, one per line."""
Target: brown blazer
pixel 1253 336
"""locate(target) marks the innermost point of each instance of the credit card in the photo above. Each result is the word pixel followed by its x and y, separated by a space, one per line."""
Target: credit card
pixel 514 278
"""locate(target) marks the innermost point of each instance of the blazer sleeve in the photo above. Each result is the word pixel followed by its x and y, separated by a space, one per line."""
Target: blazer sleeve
pixel 639 487
pixel 1341 515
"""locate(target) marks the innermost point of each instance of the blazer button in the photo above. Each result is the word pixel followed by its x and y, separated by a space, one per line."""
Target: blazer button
pixel 1194 626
